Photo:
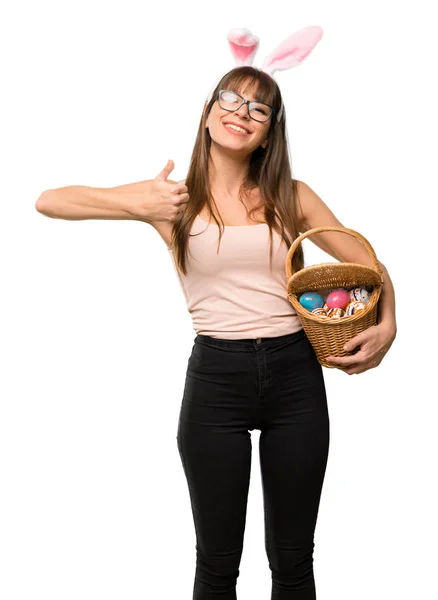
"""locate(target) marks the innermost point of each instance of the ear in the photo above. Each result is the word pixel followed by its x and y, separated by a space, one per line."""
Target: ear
pixel 243 45
pixel 293 50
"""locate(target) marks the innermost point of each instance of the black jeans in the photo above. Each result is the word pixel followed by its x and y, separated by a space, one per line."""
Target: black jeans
pixel 275 385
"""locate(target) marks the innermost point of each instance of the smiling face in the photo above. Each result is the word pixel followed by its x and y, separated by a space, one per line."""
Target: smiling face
pixel 257 133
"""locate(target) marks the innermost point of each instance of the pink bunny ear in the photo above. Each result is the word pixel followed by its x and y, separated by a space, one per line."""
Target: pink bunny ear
pixel 243 45
pixel 293 50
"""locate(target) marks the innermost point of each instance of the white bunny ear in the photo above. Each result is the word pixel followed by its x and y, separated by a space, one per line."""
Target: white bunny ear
pixel 243 45
pixel 293 50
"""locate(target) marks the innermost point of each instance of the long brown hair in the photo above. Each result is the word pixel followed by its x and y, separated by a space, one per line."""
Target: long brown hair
pixel 269 169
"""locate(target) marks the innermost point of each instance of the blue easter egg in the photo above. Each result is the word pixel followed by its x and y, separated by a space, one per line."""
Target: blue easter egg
pixel 311 300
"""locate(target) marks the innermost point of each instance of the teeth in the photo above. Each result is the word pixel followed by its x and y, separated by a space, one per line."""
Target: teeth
pixel 236 128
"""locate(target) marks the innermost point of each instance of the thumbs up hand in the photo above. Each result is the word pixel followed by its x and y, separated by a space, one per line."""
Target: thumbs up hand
pixel 169 198
pixel 158 199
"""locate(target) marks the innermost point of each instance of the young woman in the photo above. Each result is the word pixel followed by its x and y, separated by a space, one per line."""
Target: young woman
pixel 228 227
pixel 252 366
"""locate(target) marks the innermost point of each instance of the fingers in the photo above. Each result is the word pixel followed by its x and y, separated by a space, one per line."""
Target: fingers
pixel 356 368
pixel 182 199
pixel 179 188
pixel 346 361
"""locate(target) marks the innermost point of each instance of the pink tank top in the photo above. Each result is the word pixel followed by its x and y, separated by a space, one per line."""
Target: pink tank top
pixel 232 294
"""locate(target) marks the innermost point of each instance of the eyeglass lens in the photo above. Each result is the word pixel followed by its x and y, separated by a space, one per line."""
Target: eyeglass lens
pixel 232 101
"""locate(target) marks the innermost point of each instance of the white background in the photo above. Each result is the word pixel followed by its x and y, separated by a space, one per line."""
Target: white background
pixel 95 334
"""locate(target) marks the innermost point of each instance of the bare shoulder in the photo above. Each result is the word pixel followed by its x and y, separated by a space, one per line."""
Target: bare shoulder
pixel 340 246
pixel 314 211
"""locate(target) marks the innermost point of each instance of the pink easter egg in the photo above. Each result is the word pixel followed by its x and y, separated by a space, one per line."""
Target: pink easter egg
pixel 338 298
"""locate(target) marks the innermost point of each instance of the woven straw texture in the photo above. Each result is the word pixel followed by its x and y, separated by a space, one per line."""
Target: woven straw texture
pixel 327 335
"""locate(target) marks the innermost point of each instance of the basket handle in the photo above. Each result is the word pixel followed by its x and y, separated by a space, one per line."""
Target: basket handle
pixel 352 232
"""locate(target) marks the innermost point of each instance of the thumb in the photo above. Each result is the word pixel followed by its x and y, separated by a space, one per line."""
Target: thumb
pixel 164 174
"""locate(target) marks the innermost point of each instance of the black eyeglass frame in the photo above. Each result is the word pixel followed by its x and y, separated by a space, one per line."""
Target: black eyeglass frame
pixel 249 102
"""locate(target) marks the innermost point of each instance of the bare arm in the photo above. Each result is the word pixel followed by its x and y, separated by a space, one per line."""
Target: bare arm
pixel 153 200
pixel 345 248
pixel 79 202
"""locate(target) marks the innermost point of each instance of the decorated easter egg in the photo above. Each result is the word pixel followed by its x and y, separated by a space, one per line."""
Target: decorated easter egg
pixel 311 300
pixel 335 313
pixel 359 294
pixel 319 312
pixel 338 298
pixel 354 307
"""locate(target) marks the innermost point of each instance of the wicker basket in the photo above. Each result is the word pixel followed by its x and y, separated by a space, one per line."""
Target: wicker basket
pixel 328 336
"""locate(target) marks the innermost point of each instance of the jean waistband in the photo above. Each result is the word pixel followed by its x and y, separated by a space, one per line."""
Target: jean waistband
pixel 248 343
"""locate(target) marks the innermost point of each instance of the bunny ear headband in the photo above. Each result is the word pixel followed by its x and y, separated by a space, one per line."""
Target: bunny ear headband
pixel 290 53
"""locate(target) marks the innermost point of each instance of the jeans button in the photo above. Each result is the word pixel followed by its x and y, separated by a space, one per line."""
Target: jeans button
pixel 259 340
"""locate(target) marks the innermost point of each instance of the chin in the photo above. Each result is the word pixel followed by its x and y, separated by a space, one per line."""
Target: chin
pixel 232 145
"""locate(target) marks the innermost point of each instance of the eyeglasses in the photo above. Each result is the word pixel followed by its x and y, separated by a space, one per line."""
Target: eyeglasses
pixel 231 101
